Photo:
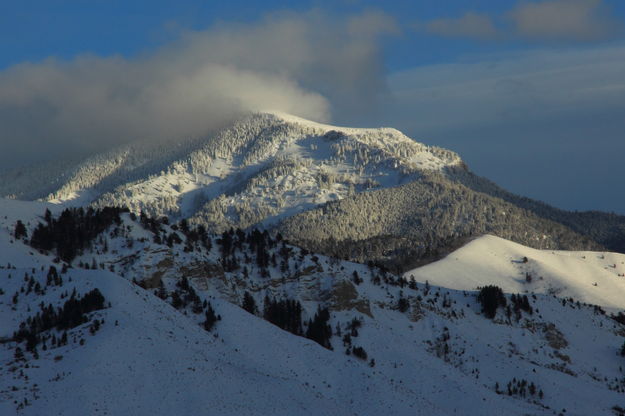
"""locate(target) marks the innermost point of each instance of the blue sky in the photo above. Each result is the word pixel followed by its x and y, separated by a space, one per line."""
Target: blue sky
pixel 530 93
pixel 32 30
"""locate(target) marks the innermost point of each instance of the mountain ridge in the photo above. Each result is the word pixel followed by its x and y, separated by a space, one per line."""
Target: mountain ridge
pixel 283 173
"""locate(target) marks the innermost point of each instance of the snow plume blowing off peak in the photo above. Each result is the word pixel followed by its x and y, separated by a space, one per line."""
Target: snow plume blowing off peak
pixel 304 64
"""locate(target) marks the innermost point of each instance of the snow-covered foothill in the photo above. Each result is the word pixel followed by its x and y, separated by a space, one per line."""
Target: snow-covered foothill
pixel 429 348
pixel 592 277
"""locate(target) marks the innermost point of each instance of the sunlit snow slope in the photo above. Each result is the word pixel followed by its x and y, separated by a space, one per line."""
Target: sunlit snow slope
pixel 592 277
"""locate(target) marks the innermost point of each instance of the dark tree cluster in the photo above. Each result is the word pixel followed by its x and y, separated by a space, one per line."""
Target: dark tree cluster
pixel 519 303
pixel 491 297
pixel 285 314
pixel 441 345
pixel 520 388
pixel 74 230
pixel 249 304
pixel 151 224
pixel 154 225
pixel 53 278
pixel 31 285
pixel 173 239
pixel 618 410
pixel 619 317
pixel 384 275
pixel 20 230
pixel 353 326
pixel 598 310
pixel 256 242
pixel 360 353
pixel 211 318
pixel 403 303
pixel 319 330
pixel 194 236
pixel 351 331
pixel 183 296
pixel 72 314
pixel 238 250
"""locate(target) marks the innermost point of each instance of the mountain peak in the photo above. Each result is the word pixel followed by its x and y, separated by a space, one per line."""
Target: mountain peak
pixel 290 118
pixel 267 165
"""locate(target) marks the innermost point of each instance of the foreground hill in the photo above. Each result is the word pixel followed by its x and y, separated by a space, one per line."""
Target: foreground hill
pixel 245 323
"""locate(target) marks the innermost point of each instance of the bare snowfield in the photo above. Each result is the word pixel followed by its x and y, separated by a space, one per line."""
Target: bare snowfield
pixel 591 277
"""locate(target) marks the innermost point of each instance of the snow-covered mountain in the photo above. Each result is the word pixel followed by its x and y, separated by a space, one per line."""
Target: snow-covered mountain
pixel 270 267
pixel 265 165
pixel 429 347
pixel 361 194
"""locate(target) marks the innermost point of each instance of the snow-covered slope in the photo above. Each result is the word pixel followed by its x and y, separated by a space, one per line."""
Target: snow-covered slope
pixel 149 358
pixel 592 277
pixel 356 339
pixel 430 349
pixel 30 213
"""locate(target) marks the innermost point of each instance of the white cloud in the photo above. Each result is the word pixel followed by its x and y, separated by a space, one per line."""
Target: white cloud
pixel 471 25
pixel 306 64
pixel 584 20
pixel 537 20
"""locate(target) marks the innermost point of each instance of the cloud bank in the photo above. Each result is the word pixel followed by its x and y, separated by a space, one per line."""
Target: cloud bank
pixel 306 64
pixel 578 20
pixel 537 21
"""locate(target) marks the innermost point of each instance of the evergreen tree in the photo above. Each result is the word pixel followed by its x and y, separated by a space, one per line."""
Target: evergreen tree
pixel 74 230
pixel 161 292
pixel 402 304
pixel 211 318
pixel 20 230
pixel 19 354
pixel 286 314
pixel 491 297
pixel 249 304
pixel 176 302
pixel 359 352
pixel 319 330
